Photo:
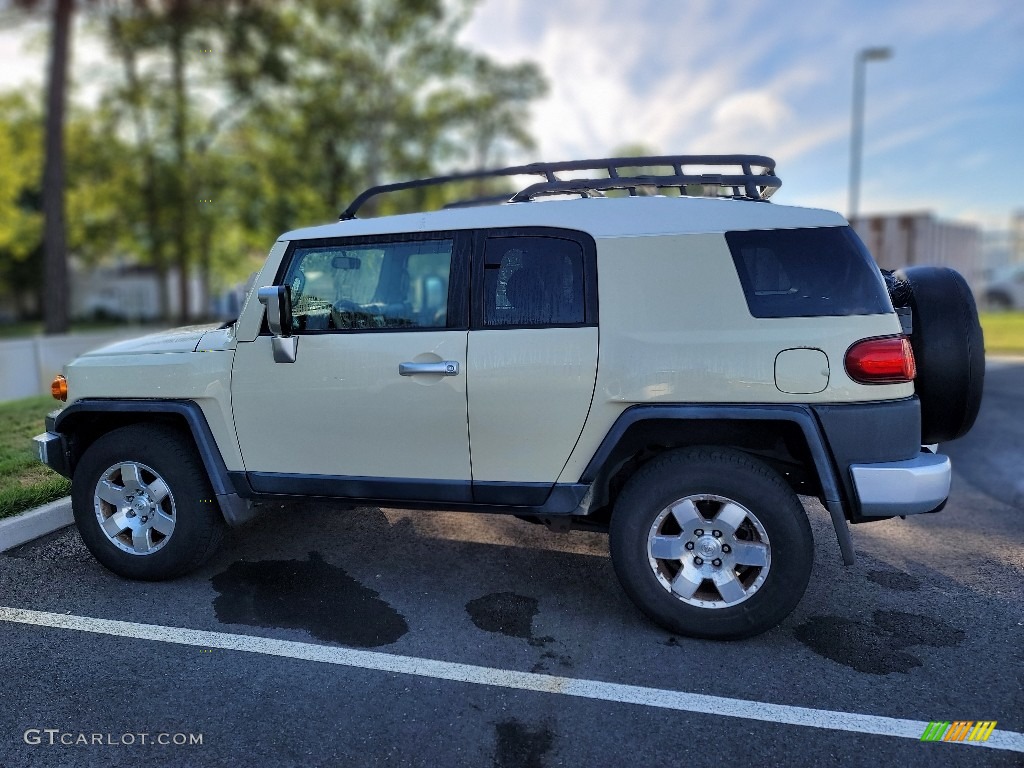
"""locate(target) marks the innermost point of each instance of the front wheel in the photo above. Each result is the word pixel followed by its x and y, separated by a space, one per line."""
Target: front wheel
pixel 143 504
pixel 711 542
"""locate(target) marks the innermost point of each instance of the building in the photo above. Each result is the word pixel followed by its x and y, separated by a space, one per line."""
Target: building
pixel 127 292
pixel 909 239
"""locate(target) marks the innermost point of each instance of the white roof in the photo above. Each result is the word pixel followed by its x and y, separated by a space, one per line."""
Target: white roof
pixel 601 217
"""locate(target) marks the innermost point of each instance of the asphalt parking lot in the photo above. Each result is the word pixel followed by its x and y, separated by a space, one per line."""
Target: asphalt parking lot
pixel 386 637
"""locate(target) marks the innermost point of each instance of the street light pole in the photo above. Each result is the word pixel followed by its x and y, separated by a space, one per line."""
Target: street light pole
pixel 857 127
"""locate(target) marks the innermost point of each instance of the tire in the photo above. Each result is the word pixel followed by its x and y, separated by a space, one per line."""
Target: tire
pixel 949 349
pixel 169 529
pixel 731 508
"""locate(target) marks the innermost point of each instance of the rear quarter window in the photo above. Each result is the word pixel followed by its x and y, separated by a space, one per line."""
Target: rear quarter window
pixel 814 272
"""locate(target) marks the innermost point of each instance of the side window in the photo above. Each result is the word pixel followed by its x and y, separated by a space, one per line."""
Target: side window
pixel 813 272
pixel 533 281
pixel 370 286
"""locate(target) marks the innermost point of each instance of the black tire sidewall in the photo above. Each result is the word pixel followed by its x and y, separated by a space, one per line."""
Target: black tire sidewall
pixel 733 475
pixel 198 524
pixel 949 349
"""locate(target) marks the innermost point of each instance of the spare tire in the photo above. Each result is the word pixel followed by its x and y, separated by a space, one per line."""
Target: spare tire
pixel 948 347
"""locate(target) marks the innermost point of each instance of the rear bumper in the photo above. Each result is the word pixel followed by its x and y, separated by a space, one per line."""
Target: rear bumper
pixel 907 487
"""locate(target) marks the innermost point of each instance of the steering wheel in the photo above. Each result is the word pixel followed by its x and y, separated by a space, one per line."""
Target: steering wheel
pixel 349 314
pixel 344 312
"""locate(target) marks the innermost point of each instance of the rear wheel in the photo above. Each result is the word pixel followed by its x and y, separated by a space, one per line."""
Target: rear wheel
pixel 711 542
pixel 143 505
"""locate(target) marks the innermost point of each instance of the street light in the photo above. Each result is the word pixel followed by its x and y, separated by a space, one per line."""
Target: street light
pixel 857 129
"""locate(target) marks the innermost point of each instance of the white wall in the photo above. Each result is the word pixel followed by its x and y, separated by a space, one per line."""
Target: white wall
pixel 27 366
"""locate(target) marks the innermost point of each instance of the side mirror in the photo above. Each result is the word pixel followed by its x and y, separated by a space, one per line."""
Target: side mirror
pixel 278 301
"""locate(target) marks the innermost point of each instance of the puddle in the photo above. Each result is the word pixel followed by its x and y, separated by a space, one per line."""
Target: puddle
pixel 878 648
pixel 312 595
pixel 506 613
pixel 550 657
pixel 518 746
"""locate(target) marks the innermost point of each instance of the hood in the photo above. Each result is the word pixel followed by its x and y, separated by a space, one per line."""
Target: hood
pixel 174 340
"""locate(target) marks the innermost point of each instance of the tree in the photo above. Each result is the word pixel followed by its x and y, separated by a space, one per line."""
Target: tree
pixel 277 112
pixel 21 218
pixel 55 308
pixel 383 90
pixel 160 44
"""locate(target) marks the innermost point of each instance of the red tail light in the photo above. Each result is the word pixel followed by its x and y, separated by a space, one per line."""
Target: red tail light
pixel 881 361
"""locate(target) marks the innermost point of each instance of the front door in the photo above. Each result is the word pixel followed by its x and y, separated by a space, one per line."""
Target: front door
pixel 374 405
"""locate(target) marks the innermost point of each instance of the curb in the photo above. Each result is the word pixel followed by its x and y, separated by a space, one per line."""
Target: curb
pixel 20 529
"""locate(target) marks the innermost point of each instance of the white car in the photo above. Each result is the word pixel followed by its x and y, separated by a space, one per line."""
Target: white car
pixel 672 369
pixel 1005 289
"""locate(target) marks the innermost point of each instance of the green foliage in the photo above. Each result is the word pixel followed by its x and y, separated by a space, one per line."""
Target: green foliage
pixel 24 482
pixel 21 150
pixel 229 122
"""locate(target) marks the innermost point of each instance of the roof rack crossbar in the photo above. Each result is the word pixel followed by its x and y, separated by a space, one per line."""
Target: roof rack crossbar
pixel 756 186
pixel 584 186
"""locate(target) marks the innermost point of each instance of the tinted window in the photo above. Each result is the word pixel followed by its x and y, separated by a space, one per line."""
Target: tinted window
pixel 807 273
pixel 370 286
pixel 533 281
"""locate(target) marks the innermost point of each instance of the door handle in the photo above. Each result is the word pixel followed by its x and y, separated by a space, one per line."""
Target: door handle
pixel 444 368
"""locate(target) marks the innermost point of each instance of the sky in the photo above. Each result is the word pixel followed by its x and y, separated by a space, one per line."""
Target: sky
pixel 944 117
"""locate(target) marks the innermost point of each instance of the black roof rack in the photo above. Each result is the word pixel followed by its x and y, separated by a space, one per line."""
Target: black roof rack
pixel 752 178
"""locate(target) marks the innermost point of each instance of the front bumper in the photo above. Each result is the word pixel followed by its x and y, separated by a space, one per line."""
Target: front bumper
pixel 52 452
pixel 907 487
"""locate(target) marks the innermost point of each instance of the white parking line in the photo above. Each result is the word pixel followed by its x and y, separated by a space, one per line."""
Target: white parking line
pixel 505 678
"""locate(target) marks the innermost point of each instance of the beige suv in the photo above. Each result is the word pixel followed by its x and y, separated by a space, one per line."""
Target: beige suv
pixel 673 368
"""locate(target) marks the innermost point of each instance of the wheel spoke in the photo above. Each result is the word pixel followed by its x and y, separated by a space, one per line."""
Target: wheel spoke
pixel 686 514
pixel 729 586
pixel 163 523
pixel 730 517
pixel 142 540
pixel 750 553
pixel 158 490
pixel 116 523
pixel 110 493
pixel 131 477
pixel 687 581
pixel 667 547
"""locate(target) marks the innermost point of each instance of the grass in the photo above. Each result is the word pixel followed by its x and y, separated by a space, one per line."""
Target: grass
pixel 1004 332
pixel 25 482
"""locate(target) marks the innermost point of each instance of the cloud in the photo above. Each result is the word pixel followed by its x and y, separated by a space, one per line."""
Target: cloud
pixel 708 77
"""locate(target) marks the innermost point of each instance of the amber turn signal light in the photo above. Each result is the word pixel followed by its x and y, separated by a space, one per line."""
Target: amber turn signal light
pixel 59 388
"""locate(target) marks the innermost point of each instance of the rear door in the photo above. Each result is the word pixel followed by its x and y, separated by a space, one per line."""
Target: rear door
pixel 532 358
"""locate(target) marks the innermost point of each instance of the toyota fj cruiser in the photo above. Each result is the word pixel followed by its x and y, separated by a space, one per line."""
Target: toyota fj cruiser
pixel 672 368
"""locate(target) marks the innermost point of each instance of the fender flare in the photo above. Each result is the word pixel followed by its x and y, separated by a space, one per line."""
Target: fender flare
pixel 235 509
pixel 802 416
